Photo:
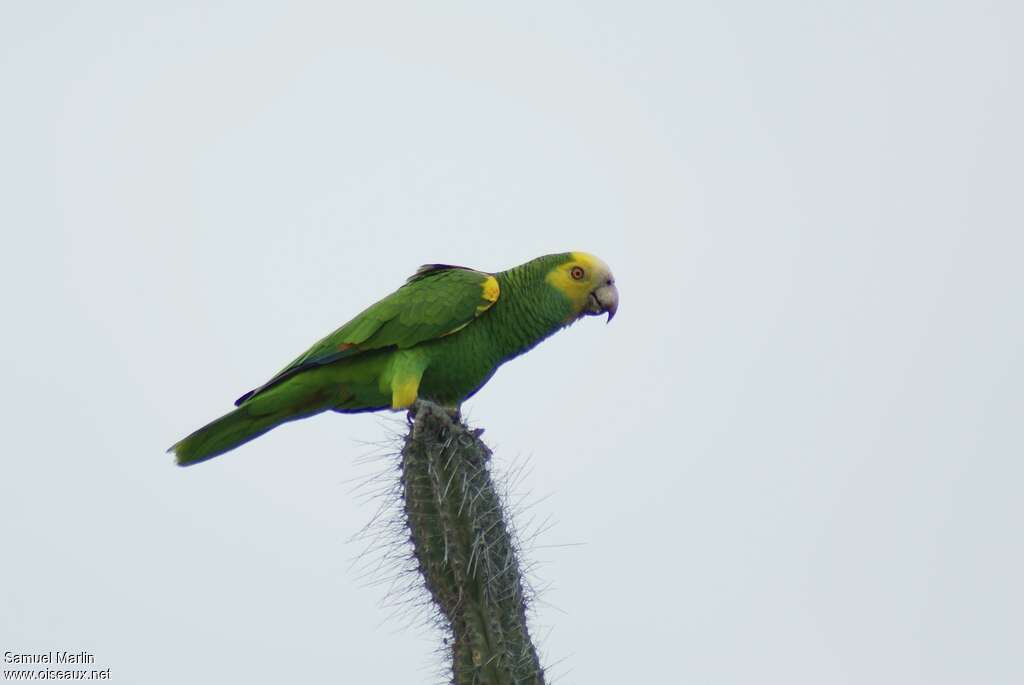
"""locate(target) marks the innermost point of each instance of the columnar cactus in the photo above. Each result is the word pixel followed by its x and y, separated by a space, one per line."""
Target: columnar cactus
pixel 464 550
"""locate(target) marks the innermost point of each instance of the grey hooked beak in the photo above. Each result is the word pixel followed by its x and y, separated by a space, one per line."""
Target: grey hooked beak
pixel 604 300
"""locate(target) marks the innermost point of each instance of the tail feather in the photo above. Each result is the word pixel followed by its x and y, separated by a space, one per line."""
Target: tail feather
pixel 296 397
pixel 226 433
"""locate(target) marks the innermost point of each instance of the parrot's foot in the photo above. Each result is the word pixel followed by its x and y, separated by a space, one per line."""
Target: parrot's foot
pixel 452 414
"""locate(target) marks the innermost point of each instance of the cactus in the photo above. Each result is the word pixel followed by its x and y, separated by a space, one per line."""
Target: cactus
pixel 464 550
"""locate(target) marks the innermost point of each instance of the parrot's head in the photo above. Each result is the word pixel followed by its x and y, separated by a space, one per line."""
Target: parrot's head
pixel 587 283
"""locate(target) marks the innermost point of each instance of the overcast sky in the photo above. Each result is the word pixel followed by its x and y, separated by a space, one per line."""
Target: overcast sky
pixel 795 456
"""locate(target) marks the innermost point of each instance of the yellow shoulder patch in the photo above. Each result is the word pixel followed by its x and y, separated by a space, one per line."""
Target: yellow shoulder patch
pixel 490 290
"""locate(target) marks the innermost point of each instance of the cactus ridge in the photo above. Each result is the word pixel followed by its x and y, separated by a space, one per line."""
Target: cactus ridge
pixel 465 550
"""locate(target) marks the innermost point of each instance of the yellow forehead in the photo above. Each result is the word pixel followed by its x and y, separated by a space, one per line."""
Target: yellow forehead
pixel 589 262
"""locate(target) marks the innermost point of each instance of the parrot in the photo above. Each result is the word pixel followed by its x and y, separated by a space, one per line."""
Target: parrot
pixel 440 337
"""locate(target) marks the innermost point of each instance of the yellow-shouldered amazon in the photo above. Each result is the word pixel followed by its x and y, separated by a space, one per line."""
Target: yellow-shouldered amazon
pixel 440 336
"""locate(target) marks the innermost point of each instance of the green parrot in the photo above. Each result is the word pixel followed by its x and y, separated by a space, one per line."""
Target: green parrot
pixel 440 336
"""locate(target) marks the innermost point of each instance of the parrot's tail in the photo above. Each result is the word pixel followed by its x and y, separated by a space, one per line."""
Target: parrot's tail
pixel 226 433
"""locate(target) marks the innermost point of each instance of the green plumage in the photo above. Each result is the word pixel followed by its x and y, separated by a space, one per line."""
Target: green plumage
pixel 440 337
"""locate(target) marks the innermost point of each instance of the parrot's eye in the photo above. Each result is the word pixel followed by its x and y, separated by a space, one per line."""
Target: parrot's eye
pixel 577 273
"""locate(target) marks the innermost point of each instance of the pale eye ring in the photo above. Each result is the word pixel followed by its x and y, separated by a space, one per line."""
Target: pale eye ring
pixel 577 273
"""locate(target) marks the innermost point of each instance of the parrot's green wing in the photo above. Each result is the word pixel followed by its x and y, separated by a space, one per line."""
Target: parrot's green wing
pixel 436 301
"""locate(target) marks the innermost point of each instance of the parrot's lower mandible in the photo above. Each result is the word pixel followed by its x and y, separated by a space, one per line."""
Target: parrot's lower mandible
pixel 440 337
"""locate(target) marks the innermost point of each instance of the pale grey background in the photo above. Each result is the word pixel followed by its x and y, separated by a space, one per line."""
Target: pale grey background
pixel 794 457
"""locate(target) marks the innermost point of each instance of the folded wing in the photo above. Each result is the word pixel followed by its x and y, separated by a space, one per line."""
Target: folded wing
pixel 437 300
